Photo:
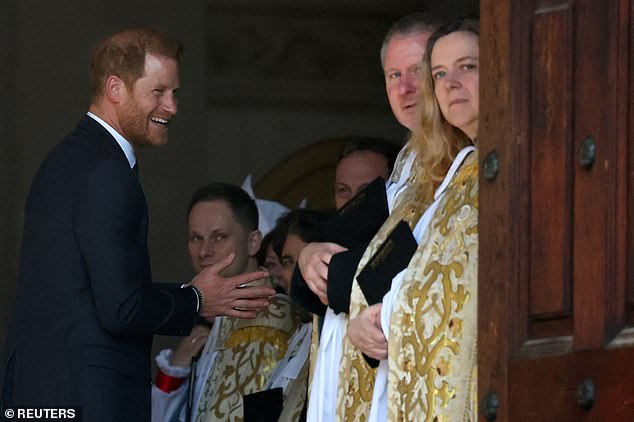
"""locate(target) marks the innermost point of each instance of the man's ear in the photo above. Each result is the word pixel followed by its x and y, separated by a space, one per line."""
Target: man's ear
pixel 255 240
pixel 115 89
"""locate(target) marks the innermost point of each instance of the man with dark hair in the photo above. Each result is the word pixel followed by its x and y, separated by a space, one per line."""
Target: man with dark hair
pixel 86 307
pixel 242 205
pixel 237 356
pixel 244 238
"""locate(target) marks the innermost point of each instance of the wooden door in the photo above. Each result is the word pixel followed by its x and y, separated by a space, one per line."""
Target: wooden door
pixel 556 281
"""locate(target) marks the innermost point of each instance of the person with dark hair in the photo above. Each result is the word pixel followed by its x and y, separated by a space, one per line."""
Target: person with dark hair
pixel 293 231
pixel 86 306
pixel 269 212
pixel 361 161
pixel 426 325
pixel 267 257
pixel 296 229
pixel 221 200
pixel 236 356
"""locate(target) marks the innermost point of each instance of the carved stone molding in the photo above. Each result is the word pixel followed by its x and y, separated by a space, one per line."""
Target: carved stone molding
pixel 290 58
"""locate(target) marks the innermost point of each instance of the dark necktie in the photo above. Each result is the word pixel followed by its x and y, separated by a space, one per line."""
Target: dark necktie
pixel 136 168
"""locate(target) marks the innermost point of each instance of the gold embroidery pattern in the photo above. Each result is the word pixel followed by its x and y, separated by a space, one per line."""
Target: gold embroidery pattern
pixel 457 206
pixel 314 348
pixel 432 348
pixel 296 391
pixel 296 397
pixel 277 338
pixel 402 157
pixel 248 352
pixel 356 378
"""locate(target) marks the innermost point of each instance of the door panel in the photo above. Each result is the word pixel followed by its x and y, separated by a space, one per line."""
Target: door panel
pixel 594 195
pixel 548 391
pixel 549 143
pixel 556 282
pixel 550 140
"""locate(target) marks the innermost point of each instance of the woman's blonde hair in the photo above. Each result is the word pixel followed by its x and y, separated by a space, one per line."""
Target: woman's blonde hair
pixel 436 141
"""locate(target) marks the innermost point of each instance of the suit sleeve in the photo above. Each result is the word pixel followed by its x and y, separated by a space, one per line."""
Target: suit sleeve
pixel 110 223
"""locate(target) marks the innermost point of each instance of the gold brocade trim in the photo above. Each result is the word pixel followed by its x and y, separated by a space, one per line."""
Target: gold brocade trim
pixel 248 351
pixel 461 203
pixel 277 338
pixel 296 397
pixel 314 350
pixel 433 331
pixel 400 161
pixel 356 378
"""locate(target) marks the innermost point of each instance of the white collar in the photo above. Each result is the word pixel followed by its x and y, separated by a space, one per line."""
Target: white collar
pixel 126 146
pixel 455 165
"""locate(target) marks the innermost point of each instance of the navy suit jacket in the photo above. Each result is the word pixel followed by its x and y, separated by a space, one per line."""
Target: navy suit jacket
pixel 86 308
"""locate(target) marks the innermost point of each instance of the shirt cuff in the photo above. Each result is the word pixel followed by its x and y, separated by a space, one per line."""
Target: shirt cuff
pixel 163 363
